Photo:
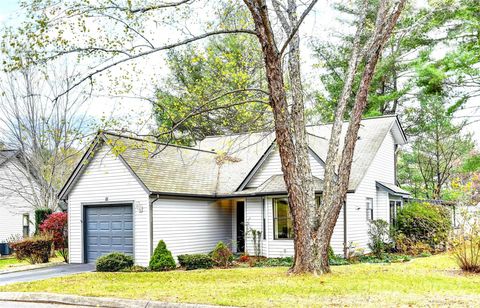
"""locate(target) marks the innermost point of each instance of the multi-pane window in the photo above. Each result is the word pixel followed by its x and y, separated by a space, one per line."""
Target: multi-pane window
pixel 369 209
pixel 395 206
pixel 282 220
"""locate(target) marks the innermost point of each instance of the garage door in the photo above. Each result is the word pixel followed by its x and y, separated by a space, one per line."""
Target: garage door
pixel 108 229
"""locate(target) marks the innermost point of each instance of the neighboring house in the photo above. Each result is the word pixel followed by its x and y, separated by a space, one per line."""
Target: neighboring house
pixel 16 203
pixel 122 198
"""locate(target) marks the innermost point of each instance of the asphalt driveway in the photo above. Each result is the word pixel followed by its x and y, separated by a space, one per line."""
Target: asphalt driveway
pixel 45 273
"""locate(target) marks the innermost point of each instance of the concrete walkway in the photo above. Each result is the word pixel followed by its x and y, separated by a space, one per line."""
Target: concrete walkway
pixel 60 300
pixel 45 273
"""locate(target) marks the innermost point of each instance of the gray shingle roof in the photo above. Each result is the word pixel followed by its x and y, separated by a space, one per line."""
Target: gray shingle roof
pixel 276 185
pixel 393 189
pixel 218 165
pixel 6 155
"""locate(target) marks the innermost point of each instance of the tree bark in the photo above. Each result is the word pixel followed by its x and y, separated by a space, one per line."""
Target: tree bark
pixel 290 132
pixel 336 185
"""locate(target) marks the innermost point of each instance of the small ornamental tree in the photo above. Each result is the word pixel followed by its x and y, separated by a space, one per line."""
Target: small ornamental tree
pixel 56 224
pixel 162 259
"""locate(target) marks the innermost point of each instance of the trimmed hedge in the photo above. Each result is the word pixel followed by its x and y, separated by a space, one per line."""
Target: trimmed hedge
pixel 162 259
pixel 35 249
pixel 114 262
pixel 424 222
pixel 195 261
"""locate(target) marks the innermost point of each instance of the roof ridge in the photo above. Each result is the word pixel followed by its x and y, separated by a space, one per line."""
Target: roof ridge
pixel 308 125
pixel 157 142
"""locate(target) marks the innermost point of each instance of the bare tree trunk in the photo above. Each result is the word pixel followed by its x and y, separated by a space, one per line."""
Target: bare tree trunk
pixel 304 253
pixel 290 133
pixel 335 191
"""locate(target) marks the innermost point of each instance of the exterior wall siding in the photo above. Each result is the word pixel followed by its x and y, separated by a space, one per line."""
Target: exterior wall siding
pixel 253 221
pixel 192 225
pixel 107 179
pixel 273 166
pixel 13 202
pixel 381 169
pixel 277 248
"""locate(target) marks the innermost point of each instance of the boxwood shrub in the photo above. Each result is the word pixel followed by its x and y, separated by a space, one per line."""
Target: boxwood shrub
pixel 114 262
pixel 195 261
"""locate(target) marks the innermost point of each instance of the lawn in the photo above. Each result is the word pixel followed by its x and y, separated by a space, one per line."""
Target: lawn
pixel 425 281
pixel 10 262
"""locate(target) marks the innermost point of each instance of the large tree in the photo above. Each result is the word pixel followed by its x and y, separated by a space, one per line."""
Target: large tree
pixel 203 92
pixel 438 149
pixel 121 33
pixel 437 41
pixel 47 132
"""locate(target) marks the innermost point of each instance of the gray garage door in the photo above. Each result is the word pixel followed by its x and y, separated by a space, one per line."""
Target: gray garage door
pixel 107 229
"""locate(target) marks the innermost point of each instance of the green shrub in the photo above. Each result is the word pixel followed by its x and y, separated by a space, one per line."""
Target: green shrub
pixel 162 259
pixel 40 215
pixel 34 249
pixel 222 255
pixel 195 261
pixel 333 259
pixel 114 262
pixel 384 258
pixel 424 222
pixel 378 233
pixel 272 262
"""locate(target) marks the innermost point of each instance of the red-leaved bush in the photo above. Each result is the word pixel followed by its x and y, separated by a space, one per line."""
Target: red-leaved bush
pixel 56 224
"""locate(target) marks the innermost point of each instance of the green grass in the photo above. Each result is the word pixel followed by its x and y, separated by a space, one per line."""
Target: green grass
pixel 426 281
pixel 10 262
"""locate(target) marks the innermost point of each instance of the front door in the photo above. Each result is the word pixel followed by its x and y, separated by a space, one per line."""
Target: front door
pixel 240 226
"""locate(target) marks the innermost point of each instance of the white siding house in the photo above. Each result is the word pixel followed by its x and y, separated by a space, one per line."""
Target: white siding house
pixel 16 202
pixel 120 197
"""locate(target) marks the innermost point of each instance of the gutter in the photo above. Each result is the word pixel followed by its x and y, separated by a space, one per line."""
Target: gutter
pixel 229 196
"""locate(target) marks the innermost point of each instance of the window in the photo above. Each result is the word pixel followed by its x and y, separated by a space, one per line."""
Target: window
pixel 369 209
pixel 395 206
pixel 26 225
pixel 282 221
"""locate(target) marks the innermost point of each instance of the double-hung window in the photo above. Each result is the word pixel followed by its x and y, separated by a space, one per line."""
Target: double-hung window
pixel 26 225
pixel 369 209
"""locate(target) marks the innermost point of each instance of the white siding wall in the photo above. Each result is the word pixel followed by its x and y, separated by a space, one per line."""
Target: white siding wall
pixel 192 226
pixel 253 221
pixel 13 204
pixel 272 166
pixel 273 248
pixel 107 177
pixel 381 169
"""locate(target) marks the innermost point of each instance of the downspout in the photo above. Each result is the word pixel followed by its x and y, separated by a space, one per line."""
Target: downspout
pixel 345 245
pixel 265 226
pixel 151 224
